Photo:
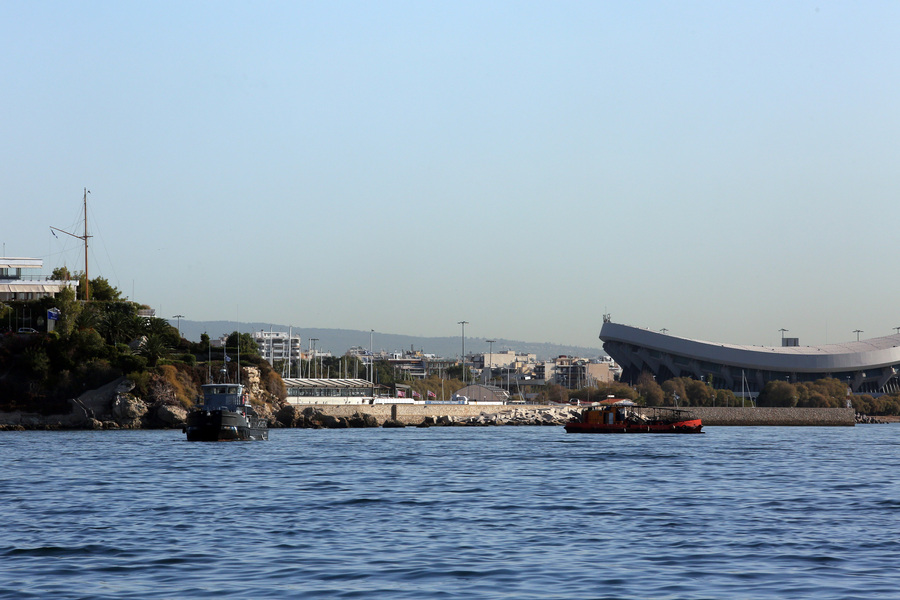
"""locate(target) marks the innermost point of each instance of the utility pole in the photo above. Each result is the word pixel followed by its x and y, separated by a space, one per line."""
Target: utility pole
pixel 464 323
pixel 857 332
pixel 782 330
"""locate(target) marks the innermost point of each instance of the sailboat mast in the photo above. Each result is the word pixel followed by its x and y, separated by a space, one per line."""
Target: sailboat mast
pixel 87 279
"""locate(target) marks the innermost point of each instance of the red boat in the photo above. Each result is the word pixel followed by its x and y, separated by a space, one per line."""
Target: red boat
pixel 625 418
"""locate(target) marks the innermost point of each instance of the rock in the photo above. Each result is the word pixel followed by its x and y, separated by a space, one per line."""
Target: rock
pixel 173 416
pixel 289 416
pixel 128 410
pixel 331 422
pixel 393 423
pixel 362 420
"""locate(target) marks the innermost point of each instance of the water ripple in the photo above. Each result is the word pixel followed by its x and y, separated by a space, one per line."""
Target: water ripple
pixel 524 513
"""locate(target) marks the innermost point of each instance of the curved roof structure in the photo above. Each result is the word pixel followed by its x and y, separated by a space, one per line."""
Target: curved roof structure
pixel 869 366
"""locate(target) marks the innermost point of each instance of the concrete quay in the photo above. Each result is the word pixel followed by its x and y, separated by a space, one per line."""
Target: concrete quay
pixel 414 414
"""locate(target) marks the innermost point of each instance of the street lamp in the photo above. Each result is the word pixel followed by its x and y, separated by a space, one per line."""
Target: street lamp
pixel 857 332
pixel 179 317
pixel 371 357
pixel 463 323
pixel 782 330
pixel 312 356
pixel 491 357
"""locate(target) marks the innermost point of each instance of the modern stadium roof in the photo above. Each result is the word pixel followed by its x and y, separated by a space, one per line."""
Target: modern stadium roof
pixel 642 349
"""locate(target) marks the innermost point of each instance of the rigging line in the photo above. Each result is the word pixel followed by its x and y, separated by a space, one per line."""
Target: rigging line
pixel 97 233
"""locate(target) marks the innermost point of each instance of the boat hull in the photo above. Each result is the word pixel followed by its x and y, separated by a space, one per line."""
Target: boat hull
pixel 688 426
pixel 224 426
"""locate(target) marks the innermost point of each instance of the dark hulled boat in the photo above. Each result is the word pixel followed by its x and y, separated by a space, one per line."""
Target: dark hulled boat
pixel 225 415
pixel 623 418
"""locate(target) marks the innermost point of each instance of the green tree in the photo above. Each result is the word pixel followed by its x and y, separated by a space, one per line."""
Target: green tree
pixel 120 325
pixel 778 393
pixel 154 348
pixel 652 392
pixel 457 372
pixel 102 291
pixel 248 347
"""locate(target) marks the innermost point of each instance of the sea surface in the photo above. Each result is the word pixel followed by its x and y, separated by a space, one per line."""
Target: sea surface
pixel 440 513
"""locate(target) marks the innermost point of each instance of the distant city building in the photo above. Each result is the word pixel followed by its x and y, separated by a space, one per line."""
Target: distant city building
pixel 16 286
pixel 868 366
pixel 278 346
pixel 481 394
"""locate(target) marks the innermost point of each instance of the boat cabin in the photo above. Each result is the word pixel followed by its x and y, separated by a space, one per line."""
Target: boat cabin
pixel 217 396
pixel 610 415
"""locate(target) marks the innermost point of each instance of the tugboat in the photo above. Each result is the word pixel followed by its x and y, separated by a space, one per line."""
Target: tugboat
pixel 622 417
pixel 225 415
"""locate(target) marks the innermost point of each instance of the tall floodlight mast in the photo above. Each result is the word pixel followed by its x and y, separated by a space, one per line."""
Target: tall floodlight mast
pixel 464 323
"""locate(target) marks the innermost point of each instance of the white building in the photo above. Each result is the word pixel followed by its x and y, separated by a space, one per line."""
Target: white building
pixel 278 346
pixel 15 286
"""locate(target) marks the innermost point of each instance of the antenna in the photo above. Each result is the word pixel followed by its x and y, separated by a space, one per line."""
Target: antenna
pixel 87 279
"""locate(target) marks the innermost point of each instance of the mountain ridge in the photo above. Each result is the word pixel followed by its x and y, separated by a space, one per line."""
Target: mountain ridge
pixel 338 341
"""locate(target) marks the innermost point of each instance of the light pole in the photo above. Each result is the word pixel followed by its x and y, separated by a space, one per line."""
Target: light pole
pixel 463 323
pixel 313 356
pixel 491 357
pixel 782 330
pixel 179 317
pixel 857 332
pixel 664 330
pixel 371 358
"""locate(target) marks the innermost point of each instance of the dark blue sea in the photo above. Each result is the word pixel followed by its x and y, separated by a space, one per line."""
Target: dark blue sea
pixel 441 513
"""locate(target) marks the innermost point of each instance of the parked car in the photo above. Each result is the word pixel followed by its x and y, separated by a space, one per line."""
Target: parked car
pixel 27 330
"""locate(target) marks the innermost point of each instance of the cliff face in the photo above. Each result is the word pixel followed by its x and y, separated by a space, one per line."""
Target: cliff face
pixel 116 406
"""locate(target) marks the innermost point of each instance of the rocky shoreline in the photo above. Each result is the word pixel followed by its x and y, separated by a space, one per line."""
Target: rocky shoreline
pixel 115 407
pixel 318 418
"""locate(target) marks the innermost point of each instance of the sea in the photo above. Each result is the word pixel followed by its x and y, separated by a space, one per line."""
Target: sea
pixel 452 513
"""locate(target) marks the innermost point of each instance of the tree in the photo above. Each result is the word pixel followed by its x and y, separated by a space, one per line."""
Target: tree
pixel 457 372
pixel 154 348
pixel 102 291
pixel 248 347
pixel 120 326
pixel 778 393
pixel 652 392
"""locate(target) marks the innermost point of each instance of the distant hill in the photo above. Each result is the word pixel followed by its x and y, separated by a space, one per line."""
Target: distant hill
pixel 338 341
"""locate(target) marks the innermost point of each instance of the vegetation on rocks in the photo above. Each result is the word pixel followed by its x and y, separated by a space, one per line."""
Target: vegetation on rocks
pixel 98 342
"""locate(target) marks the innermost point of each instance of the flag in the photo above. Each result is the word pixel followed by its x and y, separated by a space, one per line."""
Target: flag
pixel 415 394
pixel 227 358
pixel 401 394
pixel 431 394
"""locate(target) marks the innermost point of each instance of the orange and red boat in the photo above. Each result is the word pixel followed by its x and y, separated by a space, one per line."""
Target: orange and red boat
pixel 625 417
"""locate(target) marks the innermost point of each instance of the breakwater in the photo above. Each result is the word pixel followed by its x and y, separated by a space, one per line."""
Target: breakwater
pixel 470 414
pixel 767 416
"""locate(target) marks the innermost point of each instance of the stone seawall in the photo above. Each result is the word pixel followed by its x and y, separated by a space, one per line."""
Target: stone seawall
pixel 413 414
pixel 711 416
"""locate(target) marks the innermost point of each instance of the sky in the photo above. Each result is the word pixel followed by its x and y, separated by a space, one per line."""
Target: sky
pixel 722 170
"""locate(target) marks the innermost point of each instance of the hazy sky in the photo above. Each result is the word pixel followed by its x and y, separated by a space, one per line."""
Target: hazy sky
pixel 720 169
